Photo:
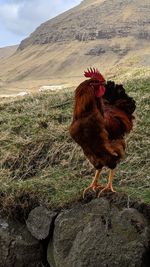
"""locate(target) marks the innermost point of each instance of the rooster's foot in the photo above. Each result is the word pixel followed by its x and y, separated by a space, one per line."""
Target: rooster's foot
pixel 93 187
pixel 107 188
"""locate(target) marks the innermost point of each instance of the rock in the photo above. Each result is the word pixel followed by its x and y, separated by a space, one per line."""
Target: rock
pixel 96 51
pixel 98 234
pixel 39 222
pixel 18 248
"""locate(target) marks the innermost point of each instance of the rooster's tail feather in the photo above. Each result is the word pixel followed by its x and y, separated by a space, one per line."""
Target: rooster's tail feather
pixel 116 96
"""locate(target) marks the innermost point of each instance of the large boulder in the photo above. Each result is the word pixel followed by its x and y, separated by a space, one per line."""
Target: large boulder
pixel 99 234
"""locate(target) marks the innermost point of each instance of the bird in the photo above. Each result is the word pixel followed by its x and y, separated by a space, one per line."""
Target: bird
pixel 102 117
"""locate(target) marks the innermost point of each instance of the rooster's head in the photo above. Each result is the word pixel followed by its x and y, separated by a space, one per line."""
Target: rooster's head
pixel 97 81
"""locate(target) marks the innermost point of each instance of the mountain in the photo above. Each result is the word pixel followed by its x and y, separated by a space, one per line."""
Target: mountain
pixel 108 34
pixel 7 51
pixel 95 20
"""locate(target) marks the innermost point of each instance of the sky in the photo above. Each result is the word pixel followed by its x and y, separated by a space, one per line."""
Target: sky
pixel 19 18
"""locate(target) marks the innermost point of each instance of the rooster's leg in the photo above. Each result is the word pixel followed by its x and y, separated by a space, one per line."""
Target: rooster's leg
pixel 94 185
pixel 109 186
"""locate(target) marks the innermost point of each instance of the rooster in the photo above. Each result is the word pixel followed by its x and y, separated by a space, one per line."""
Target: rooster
pixel 102 116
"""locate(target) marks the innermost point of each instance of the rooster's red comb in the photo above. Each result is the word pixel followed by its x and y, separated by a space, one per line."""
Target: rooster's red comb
pixel 94 73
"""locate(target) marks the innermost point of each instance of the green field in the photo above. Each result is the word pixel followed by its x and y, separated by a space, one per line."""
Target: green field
pixel 40 164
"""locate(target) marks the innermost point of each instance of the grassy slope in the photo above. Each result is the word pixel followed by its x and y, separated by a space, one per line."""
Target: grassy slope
pixel 38 65
pixel 40 163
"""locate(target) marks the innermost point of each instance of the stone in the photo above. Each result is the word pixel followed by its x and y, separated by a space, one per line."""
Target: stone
pixel 96 51
pixel 18 248
pixel 39 222
pixel 99 234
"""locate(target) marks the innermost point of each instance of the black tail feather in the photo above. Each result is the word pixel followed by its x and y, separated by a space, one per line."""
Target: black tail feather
pixel 115 95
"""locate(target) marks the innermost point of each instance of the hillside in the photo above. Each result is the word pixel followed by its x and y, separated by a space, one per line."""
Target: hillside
pixel 111 35
pixel 95 20
pixel 40 164
pixel 7 51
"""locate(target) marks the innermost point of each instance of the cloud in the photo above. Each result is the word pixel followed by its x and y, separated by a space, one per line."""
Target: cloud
pixel 21 17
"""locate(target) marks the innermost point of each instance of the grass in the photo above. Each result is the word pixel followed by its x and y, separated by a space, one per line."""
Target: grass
pixel 40 164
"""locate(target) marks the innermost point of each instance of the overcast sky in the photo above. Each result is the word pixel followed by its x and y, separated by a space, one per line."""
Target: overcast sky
pixel 18 18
